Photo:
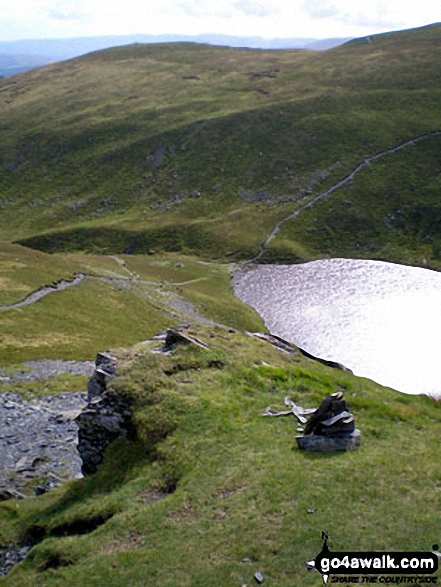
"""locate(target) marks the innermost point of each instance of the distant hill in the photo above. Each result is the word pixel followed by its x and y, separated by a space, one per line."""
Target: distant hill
pixel 325 44
pixel 204 149
pixel 28 53
pixel 16 63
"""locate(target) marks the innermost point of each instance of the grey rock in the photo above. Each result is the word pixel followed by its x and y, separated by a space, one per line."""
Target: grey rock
pixel 9 405
pixel 11 493
pixel 54 367
pixel 32 446
pixel 332 364
pixel 319 443
pixel 106 417
pixel 66 416
pixel 105 366
pixel 24 464
pixel 331 418
pixel 10 556
pixel 175 337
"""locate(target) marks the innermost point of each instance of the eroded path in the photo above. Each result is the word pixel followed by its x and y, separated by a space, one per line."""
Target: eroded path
pixel 168 303
pixel 44 291
pixel 343 181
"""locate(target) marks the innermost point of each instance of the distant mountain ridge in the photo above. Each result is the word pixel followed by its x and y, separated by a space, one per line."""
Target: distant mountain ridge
pixel 17 56
pixel 11 64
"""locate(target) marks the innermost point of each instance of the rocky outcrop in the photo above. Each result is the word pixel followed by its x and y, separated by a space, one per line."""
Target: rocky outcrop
pixel 287 347
pixel 277 342
pixel 173 337
pixel 108 414
pixel 332 364
pixel 105 368
pixel 106 417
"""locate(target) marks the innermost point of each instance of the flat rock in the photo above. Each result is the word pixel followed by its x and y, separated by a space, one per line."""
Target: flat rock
pixel 318 443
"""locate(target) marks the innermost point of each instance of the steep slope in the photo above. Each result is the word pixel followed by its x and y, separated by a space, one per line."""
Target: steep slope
pixel 198 148
pixel 207 492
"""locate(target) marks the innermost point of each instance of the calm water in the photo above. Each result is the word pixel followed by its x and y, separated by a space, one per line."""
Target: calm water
pixel 381 320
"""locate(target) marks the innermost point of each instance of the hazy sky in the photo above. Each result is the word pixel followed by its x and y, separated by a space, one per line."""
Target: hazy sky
pixel 30 19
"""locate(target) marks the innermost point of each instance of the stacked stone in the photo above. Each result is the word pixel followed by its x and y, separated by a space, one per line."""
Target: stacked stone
pixel 331 427
pixel 106 417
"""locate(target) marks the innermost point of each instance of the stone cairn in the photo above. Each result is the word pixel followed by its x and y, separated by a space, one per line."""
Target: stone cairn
pixel 330 427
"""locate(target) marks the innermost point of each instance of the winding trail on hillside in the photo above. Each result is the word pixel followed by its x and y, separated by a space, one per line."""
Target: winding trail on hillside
pixel 133 276
pixel 64 284
pixel 179 308
pixel 346 179
pixel 44 291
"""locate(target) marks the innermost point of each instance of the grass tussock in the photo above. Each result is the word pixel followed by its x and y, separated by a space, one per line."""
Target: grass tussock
pixel 138 167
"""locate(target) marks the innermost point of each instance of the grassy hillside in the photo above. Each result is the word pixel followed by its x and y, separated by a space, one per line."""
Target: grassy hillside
pixel 147 169
pixel 122 300
pixel 210 492
pixel 203 149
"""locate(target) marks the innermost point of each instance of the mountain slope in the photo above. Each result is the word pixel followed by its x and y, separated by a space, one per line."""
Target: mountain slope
pixel 203 149
pixel 207 492
pixel 186 148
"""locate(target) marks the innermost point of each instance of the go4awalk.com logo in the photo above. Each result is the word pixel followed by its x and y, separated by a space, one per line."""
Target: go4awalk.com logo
pixel 394 568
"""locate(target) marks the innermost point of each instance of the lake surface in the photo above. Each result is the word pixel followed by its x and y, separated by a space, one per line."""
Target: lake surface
pixel 381 320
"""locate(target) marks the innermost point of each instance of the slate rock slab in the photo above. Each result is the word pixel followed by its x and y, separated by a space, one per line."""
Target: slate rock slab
pixel 319 443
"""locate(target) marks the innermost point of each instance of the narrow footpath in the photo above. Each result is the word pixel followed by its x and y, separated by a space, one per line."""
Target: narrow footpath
pixel 44 291
pixel 346 179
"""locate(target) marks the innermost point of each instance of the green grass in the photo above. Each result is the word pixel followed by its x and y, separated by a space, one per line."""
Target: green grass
pixel 243 488
pixel 23 271
pixel 52 386
pixel 109 307
pixel 124 150
pixel 388 212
